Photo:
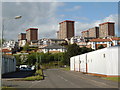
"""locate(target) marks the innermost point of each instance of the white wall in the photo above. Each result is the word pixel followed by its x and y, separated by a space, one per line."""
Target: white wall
pixel 103 61
pixel 8 64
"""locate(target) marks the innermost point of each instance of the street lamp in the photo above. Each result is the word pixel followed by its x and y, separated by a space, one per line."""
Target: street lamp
pixel 16 17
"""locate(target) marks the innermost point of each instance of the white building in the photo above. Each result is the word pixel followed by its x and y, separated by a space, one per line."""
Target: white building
pixel 49 41
pixel 103 62
pixel 53 49
pixel 8 64
pixel 95 43
pixel 76 39
pixel 11 45
pixel 22 43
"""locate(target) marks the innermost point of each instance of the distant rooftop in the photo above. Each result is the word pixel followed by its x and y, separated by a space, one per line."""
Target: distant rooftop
pixel 107 23
pixel 54 47
pixel 66 21
pixel 32 29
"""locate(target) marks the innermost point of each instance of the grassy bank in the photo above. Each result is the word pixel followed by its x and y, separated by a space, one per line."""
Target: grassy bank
pixel 38 76
pixel 67 68
pixel 113 78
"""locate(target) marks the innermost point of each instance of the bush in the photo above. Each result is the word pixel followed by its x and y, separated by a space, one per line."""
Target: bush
pixel 38 76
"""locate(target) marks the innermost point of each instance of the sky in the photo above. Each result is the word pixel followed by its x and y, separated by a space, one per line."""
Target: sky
pixel 46 16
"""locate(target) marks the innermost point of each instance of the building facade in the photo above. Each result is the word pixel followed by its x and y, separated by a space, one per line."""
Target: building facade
pixel 106 29
pixel 53 49
pixel 8 64
pixel 103 62
pixel 85 33
pixel 11 45
pixel 66 29
pixel 22 36
pixel 95 43
pixel 94 32
pixel 32 34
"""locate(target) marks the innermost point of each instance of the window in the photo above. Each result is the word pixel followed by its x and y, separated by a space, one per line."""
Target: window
pixel 104 55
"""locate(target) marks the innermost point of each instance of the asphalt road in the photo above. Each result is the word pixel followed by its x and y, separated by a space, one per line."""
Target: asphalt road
pixel 55 78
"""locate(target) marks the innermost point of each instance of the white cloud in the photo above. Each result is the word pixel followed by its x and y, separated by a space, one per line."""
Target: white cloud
pixel 73 8
pixel 79 26
pixel 40 14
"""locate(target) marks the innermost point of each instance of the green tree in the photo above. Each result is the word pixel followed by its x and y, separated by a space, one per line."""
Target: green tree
pixel 100 46
pixel 85 50
pixel 26 47
pixel 18 60
pixel 72 50
pixel 2 41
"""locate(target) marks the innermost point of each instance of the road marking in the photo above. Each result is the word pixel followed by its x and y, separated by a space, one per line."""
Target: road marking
pixel 96 82
pixel 67 81
pixel 34 83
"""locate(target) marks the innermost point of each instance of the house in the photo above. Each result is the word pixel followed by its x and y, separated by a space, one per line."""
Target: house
pixel 22 43
pixel 107 42
pixel 7 52
pixel 11 45
pixel 49 41
pixel 53 49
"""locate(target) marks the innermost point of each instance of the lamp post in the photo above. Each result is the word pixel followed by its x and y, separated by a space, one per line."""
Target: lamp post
pixel 3 20
pixel 16 17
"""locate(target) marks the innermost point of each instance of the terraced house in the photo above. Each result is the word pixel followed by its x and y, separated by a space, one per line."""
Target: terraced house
pixel 95 43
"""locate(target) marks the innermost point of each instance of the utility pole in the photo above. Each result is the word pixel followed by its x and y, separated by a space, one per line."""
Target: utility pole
pixel 2 32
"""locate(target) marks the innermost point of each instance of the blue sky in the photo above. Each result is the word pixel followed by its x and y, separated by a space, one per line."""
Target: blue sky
pixel 47 15
pixel 88 10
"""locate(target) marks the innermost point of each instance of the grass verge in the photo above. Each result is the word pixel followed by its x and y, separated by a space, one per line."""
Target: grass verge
pixel 113 78
pixel 67 68
pixel 38 76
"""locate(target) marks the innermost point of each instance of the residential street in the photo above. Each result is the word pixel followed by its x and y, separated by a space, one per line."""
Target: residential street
pixel 56 78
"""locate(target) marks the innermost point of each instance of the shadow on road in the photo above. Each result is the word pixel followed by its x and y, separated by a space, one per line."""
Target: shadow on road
pixel 18 74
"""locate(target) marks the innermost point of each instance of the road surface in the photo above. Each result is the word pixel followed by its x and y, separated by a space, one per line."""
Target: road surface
pixel 57 78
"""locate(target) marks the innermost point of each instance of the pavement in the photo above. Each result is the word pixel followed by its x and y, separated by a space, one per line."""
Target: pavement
pixel 58 78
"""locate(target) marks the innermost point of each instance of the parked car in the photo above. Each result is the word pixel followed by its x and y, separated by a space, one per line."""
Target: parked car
pixel 33 67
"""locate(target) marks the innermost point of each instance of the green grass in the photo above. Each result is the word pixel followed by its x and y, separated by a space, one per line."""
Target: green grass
pixel 66 68
pixel 33 78
pixel 113 78
pixel 38 76
pixel 8 88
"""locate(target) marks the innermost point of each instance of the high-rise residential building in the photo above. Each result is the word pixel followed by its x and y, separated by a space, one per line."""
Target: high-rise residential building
pixel 22 36
pixel 58 34
pixel 106 29
pixel 66 29
pixel 85 33
pixel 94 32
pixel 32 34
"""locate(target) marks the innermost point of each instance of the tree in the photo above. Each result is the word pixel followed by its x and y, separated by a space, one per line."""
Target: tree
pixel 26 47
pixel 2 41
pixel 18 60
pixel 85 50
pixel 72 50
pixel 100 46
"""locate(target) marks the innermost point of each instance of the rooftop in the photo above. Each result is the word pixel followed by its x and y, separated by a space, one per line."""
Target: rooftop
pixel 107 23
pixel 100 40
pixel 32 29
pixel 66 21
pixel 54 47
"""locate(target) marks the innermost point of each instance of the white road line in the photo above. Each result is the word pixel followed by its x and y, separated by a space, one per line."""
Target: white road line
pixel 67 80
pixel 96 82
pixel 34 83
